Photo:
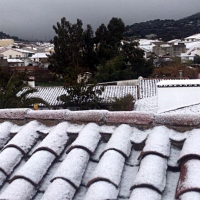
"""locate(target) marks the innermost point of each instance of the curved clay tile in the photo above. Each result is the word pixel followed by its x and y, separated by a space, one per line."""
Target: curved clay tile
pixel 109 168
pixel 73 167
pixel 120 141
pixel 25 138
pixel 144 194
pixel 101 190
pixel 138 138
pixel 56 140
pixel 189 177
pixel 152 173
pixel 36 167
pixel 157 143
pixel 9 159
pixel 59 190
pixel 177 136
pixel 191 146
pixel 87 139
pixel 190 195
pixel 5 128
pixel 19 189
pixel 15 129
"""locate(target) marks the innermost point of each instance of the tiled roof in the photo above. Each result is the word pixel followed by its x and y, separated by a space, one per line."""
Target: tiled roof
pixel 50 94
pixel 98 155
pixel 148 88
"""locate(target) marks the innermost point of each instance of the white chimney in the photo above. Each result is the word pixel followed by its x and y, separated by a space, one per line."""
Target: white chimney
pixel 31 81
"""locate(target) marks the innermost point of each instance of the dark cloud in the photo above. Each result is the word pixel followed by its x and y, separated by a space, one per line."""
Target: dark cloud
pixel 34 19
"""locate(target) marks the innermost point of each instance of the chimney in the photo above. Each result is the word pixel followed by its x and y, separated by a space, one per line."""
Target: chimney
pixel 31 81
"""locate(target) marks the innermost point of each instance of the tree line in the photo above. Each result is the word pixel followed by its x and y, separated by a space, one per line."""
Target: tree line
pixel 78 50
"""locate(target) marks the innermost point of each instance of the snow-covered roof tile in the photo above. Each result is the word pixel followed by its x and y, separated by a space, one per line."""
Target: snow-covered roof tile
pixel 91 116
pixel 157 142
pixel 193 141
pixel 59 189
pixel 9 159
pixel 190 195
pixel 19 189
pixel 36 167
pixel 56 140
pixel 152 173
pixel 26 137
pixel 145 193
pixel 126 117
pixel 109 168
pixel 138 137
pixel 88 138
pixel 57 157
pixel 73 167
pixel 101 190
pixel 189 178
pixel 120 140
pixel 5 129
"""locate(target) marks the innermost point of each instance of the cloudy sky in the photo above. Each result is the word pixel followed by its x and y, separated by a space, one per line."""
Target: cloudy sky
pixel 33 19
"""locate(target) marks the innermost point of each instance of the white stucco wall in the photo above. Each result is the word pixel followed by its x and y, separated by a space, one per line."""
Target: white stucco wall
pixel 178 94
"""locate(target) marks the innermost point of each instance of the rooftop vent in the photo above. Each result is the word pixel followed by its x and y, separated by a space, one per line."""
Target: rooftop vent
pixel 175 94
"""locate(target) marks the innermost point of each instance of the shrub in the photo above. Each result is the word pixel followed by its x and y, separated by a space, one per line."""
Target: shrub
pixel 125 103
pixel 81 96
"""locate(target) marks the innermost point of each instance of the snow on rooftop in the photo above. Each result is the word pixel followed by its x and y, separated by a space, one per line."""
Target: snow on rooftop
pixel 150 104
pixel 40 55
pixel 14 61
pixel 191 82
pixel 195 36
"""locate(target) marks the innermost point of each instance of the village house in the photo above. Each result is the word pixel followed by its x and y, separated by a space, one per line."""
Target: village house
pixel 6 42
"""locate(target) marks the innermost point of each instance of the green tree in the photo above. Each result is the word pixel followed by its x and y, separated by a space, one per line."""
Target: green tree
pixel 128 64
pixel 197 59
pixel 13 95
pixel 108 39
pixel 112 70
pixel 73 47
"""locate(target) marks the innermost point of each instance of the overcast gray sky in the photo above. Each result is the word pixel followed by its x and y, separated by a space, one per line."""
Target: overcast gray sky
pixel 33 19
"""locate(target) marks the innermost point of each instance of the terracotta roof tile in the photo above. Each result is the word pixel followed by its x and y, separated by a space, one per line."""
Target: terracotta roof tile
pixel 88 138
pixel 152 173
pixel 26 137
pixel 19 189
pixel 145 193
pixel 120 141
pixel 189 177
pixel 56 140
pixel 60 190
pixel 73 167
pixel 13 113
pixel 101 190
pixel 109 169
pixel 46 155
pixel 5 128
pixel 36 167
pixel 48 114
pixel 157 142
pixel 86 116
pixel 133 117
